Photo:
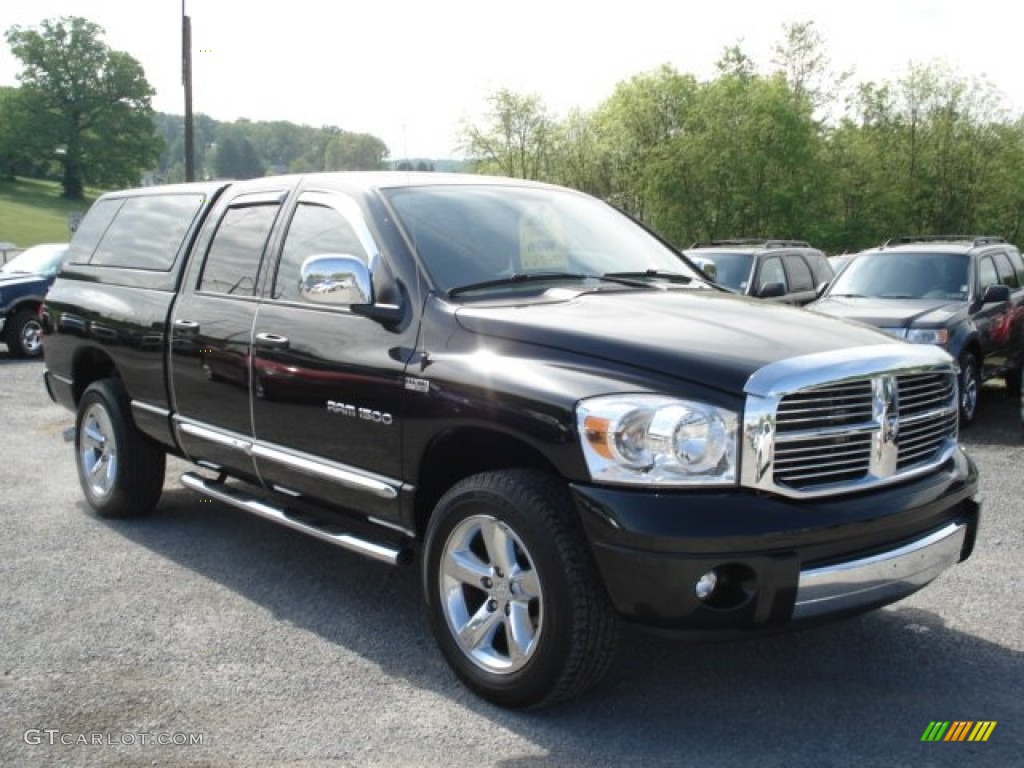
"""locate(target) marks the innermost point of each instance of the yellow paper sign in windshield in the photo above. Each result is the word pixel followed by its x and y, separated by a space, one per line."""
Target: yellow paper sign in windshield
pixel 541 244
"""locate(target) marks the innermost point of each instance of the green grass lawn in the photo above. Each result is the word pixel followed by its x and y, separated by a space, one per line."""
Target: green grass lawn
pixel 33 212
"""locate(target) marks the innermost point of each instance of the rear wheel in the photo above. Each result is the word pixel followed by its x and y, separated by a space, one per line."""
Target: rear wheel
pixel 121 470
pixel 970 385
pixel 513 596
pixel 24 334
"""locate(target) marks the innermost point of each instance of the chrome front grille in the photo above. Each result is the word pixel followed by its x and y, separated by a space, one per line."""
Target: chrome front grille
pixel 928 417
pixel 849 424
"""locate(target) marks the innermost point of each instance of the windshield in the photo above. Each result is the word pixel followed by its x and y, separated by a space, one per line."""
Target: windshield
pixel 471 235
pixel 731 269
pixel 905 276
pixel 38 260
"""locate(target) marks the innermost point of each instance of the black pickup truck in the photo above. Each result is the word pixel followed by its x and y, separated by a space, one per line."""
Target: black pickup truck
pixel 520 389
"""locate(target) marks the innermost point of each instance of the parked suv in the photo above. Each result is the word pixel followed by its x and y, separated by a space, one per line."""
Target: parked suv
pixel 963 293
pixel 788 271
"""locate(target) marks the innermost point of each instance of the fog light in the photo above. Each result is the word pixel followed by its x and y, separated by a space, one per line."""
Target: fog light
pixel 706 585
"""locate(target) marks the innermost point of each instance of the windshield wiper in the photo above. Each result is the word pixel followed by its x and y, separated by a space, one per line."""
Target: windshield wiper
pixel 530 277
pixel 661 274
pixel 847 296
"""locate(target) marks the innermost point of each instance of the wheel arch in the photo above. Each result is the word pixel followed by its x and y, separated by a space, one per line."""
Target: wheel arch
pixel 461 452
pixel 91 364
pixel 22 303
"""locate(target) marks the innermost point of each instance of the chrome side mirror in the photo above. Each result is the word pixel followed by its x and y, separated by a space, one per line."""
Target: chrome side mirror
pixel 336 280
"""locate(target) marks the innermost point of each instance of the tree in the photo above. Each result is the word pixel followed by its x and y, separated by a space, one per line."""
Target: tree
pixel 804 62
pixel 633 129
pixel 88 105
pixel 355 152
pixel 234 155
pixel 15 138
pixel 516 139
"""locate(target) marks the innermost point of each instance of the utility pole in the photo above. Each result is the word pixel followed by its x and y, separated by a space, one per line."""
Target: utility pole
pixel 186 80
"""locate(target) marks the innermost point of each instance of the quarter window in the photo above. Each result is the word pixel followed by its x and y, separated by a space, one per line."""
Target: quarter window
pixel 148 231
pixel 233 260
pixel 92 228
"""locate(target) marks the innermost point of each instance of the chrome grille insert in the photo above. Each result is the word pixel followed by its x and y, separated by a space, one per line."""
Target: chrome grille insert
pixel 830 423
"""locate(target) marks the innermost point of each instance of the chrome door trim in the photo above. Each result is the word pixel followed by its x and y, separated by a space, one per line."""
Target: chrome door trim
pixel 382 487
pixel 342 474
pixel 213 435
pixel 155 410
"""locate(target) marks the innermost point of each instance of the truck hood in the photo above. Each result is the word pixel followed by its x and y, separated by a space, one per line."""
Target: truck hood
pixel 714 339
pixel 12 279
pixel 891 313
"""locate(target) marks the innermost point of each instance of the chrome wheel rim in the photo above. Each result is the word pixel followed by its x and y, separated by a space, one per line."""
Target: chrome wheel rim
pixel 491 595
pixel 97 451
pixel 32 337
pixel 969 391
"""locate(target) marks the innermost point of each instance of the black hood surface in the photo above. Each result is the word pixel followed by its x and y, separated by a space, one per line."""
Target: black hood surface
pixel 892 313
pixel 712 338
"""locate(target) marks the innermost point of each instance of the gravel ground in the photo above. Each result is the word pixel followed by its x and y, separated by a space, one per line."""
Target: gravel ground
pixel 245 644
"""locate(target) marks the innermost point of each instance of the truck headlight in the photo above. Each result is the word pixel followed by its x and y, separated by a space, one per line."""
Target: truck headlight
pixel 928 335
pixel 657 440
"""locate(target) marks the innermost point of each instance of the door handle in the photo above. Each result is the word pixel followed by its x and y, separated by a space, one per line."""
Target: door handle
pixel 271 341
pixel 186 327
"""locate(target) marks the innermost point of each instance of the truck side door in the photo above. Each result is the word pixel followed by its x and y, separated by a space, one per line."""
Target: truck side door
pixel 211 336
pixel 328 383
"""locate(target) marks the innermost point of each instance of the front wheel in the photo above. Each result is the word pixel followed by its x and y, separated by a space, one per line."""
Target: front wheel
pixel 513 596
pixel 121 470
pixel 970 386
pixel 25 334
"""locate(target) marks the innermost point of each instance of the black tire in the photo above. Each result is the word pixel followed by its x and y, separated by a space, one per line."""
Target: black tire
pixel 24 334
pixel 120 469
pixel 970 388
pixel 537 579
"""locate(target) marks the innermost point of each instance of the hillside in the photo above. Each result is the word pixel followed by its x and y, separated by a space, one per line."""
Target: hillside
pixel 32 212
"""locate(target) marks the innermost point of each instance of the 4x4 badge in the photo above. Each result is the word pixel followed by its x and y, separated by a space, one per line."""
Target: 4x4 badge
pixel 417 385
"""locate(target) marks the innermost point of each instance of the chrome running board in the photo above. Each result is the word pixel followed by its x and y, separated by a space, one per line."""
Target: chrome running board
pixel 237 498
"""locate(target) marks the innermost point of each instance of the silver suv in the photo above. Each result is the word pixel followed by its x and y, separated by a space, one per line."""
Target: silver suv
pixel 787 271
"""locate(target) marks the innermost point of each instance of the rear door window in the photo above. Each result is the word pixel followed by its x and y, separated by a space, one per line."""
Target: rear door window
pixel 236 251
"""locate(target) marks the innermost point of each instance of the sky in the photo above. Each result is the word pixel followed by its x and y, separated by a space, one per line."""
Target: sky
pixel 413 73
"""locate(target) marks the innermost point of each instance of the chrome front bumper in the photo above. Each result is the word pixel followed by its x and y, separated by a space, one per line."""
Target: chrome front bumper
pixel 879 579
